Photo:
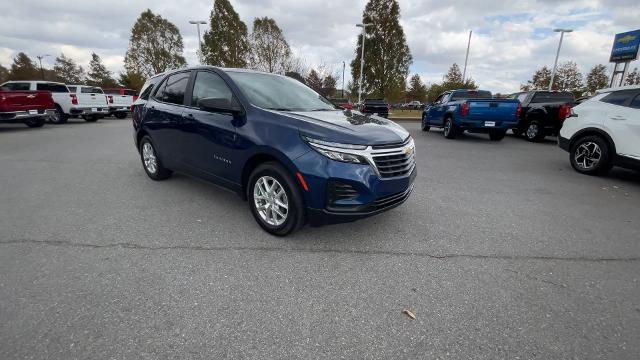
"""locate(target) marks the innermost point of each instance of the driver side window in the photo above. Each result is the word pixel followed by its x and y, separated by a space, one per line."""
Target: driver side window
pixel 209 85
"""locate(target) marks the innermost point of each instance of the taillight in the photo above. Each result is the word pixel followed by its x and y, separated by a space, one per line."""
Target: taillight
pixel 110 98
pixel 519 111
pixel 564 112
pixel 74 99
pixel 465 109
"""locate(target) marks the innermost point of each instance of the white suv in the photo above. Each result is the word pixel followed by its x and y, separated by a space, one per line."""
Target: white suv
pixel 604 131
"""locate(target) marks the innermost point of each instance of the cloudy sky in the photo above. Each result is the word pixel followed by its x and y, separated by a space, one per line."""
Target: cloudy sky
pixel 510 39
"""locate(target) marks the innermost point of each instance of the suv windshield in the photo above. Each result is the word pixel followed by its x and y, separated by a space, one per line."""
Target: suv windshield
pixel 277 92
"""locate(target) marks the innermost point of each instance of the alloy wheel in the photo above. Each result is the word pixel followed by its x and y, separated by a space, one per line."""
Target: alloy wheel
pixel 271 201
pixel 149 158
pixel 588 155
pixel 447 127
pixel 532 131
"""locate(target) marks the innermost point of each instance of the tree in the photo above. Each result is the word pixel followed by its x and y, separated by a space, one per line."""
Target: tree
pixel 226 43
pixel 67 71
pixel 314 81
pixel 569 78
pixel 597 78
pixel 452 80
pixel 155 46
pixel 329 83
pixel 295 75
pixel 633 78
pixel 98 74
pixel 270 51
pixel 23 68
pixel 539 81
pixel 417 89
pixel 132 80
pixel 386 54
pixel 4 74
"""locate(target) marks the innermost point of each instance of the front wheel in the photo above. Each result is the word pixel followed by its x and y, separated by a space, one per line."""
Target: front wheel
pixel 591 155
pixel 425 123
pixel 449 129
pixel 58 117
pixel 497 135
pixel 534 131
pixel 275 200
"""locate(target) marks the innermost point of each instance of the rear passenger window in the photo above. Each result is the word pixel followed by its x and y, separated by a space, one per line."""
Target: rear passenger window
pixel 174 88
pixel 72 89
pixel 16 86
pixel 53 87
pixel 618 97
pixel 131 92
pixel 209 85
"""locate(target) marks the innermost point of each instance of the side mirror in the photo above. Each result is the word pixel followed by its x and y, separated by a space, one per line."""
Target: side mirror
pixel 219 105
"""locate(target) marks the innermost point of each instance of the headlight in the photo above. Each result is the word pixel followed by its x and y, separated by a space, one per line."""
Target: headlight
pixel 338 152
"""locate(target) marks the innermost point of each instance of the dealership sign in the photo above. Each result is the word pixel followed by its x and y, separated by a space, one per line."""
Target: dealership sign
pixel 625 46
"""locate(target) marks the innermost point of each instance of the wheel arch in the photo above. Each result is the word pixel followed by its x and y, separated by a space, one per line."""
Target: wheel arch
pixel 261 157
pixel 593 132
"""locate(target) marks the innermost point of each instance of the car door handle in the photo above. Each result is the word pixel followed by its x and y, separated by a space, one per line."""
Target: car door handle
pixel 190 116
pixel 618 118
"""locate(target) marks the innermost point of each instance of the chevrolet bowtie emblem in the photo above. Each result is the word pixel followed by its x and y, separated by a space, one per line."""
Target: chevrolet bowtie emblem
pixel 626 39
pixel 30 96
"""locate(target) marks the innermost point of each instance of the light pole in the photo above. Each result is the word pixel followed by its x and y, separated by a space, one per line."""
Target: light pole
pixel 364 32
pixel 343 79
pixel 197 23
pixel 40 57
pixel 555 64
pixel 466 59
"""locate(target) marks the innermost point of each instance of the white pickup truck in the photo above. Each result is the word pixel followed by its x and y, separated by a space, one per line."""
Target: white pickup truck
pixel 91 102
pixel 120 101
pixel 63 99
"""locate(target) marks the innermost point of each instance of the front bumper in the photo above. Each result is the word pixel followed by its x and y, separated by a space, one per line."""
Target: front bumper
pixel 20 116
pixel 90 110
pixel 564 143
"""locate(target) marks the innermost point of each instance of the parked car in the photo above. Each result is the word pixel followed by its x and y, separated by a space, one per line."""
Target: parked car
pixel 62 98
pixel 342 103
pixel 275 142
pixel 31 108
pixel 375 107
pixel 604 131
pixel 543 113
pixel 91 102
pixel 413 105
pixel 120 101
pixel 471 110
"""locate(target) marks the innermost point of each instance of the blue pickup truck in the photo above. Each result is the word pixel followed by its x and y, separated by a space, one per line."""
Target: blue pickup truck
pixel 475 111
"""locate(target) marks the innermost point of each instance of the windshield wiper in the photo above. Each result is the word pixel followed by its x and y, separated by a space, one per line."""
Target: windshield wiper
pixel 279 109
pixel 323 109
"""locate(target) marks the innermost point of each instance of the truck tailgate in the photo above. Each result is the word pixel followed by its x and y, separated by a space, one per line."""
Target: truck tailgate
pixel 11 101
pixel 122 100
pixel 493 109
pixel 93 100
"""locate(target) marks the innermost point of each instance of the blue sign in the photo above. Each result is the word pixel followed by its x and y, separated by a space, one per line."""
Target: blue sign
pixel 625 47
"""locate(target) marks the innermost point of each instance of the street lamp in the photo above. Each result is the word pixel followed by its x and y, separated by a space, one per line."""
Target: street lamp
pixel 364 32
pixel 343 65
pixel 40 57
pixel 197 23
pixel 555 64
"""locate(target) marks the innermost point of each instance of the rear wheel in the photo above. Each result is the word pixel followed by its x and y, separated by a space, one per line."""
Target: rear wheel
pixel 275 200
pixel 425 123
pixel 35 122
pixel 591 155
pixel 449 129
pixel 90 118
pixel 497 135
pixel 120 115
pixel 58 117
pixel 534 131
pixel 151 162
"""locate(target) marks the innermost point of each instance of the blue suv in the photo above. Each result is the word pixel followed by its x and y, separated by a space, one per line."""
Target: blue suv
pixel 280 145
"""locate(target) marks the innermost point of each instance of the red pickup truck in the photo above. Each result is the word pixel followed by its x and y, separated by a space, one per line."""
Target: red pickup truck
pixel 31 108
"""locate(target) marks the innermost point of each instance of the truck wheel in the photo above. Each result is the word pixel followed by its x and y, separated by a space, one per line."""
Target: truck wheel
pixel 275 200
pixel 90 118
pixel 534 131
pixel 591 155
pixel 58 117
pixel 497 135
pixel 120 115
pixel 425 123
pixel 449 129
pixel 151 162
pixel 34 123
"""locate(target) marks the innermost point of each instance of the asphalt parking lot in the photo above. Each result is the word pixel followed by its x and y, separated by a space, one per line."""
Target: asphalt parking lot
pixel 502 251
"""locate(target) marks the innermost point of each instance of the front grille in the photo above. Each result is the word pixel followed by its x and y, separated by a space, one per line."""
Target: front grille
pixel 393 162
pixel 391 200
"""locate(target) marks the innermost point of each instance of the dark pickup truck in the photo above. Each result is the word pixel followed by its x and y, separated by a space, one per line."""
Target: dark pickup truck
pixel 29 107
pixel 543 113
pixel 376 107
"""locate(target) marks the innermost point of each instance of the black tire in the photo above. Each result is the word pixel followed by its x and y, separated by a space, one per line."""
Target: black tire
pixel 517 132
pixel 90 118
pixel 35 122
pixel 425 125
pixel 534 132
pixel 159 172
pixel 58 117
pixel 120 115
pixel 497 135
pixel 295 215
pixel 584 152
pixel 449 129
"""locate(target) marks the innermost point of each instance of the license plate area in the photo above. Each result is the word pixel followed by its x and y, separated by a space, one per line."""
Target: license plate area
pixel 33 112
pixel 490 123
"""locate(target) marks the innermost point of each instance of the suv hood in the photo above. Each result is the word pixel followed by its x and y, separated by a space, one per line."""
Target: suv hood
pixel 348 127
